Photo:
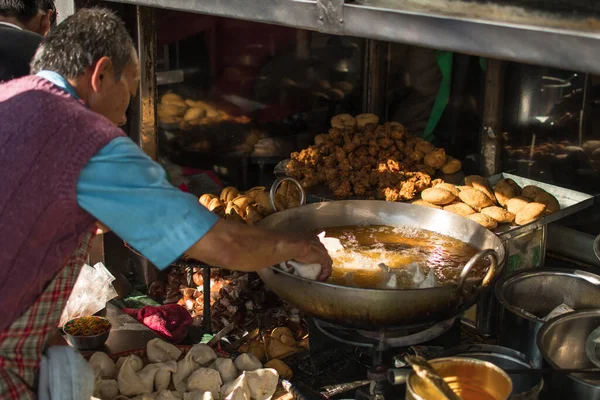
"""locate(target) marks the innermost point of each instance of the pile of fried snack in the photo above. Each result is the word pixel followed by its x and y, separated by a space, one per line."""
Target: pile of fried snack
pixel 506 203
pixel 166 373
pixel 359 157
pixel 174 109
pixel 231 300
pixel 253 205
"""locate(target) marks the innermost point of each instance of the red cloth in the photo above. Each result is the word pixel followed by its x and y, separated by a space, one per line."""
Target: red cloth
pixel 169 321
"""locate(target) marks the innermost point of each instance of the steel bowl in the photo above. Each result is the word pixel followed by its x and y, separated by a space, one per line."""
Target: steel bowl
pixel 88 342
pixel 372 309
pixel 467 377
pixel 528 296
pixel 562 342
pixel 525 386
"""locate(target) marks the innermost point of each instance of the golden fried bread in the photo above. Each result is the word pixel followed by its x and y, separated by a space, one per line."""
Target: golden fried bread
pixel 452 166
pixel 481 184
pixel 516 204
pixel 362 120
pixel 475 198
pixel 505 190
pixel 499 214
pixel 436 159
pixel 437 196
pixel 531 191
pixel 460 208
pixel 425 204
pixel 424 147
pixel 548 200
pixel 530 213
pixel 343 121
pixel 449 187
pixel 484 220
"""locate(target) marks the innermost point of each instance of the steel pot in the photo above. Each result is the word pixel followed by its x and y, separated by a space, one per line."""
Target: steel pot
pixel 525 387
pixel 471 379
pixel 372 309
pixel 562 342
pixel 528 296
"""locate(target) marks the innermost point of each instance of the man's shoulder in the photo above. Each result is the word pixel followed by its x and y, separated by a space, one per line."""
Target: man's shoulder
pixel 26 38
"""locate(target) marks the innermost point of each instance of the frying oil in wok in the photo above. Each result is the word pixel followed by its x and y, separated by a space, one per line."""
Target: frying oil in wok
pixel 401 249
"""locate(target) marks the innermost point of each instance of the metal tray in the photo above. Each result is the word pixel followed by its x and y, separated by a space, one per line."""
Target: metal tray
pixel 570 202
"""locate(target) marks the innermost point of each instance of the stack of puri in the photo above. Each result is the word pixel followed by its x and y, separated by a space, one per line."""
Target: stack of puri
pixel 251 206
pixel 506 203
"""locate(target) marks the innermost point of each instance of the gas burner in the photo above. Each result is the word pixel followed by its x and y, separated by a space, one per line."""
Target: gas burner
pixel 385 338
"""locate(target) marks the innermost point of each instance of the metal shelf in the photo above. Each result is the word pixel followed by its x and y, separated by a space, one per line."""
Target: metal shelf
pixel 484 29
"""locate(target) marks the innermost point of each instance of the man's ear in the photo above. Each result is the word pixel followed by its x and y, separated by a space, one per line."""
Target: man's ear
pixel 45 23
pixel 100 73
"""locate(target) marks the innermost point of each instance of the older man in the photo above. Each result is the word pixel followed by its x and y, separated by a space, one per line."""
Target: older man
pixel 23 23
pixel 66 165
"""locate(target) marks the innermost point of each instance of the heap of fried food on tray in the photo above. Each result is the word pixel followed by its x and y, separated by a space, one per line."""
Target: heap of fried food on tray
pixel 506 203
pixel 359 157
pixel 253 205
pixel 165 372
pixel 174 109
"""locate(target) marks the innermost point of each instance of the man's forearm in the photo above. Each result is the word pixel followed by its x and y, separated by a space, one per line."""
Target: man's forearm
pixel 244 248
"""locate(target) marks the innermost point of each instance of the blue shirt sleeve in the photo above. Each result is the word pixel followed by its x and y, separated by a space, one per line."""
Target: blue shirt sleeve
pixel 128 192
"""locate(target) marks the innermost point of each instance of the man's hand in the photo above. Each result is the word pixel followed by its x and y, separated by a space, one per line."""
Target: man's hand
pixel 315 253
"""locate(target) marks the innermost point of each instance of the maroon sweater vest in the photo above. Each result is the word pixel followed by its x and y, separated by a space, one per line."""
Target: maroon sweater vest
pixel 46 139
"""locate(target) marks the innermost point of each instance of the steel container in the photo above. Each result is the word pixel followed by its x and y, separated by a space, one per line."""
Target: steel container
pixel 373 309
pixel 525 386
pixel 469 378
pixel 562 342
pixel 528 296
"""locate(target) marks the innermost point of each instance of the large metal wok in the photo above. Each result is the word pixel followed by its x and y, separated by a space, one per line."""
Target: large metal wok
pixel 370 309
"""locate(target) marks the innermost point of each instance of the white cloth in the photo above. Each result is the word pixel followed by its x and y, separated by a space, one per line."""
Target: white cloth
pixel 65 375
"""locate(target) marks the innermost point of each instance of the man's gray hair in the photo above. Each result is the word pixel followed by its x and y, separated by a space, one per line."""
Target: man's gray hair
pixel 81 40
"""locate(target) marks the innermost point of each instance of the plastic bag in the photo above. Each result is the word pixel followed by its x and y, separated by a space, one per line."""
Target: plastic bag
pixel 90 294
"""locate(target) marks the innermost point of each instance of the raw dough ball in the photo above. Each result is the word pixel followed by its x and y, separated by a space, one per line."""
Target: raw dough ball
pixel 205 380
pixel 363 120
pixel 226 368
pixel 452 166
pixel 197 395
pixel 484 220
pixel 449 187
pixel 236 390
pixel 530 213
pixel 106 389
pixel 202 354
pixel 247 362
pixel 160 351
pixel 516 204
pixel 461 209
pixel 102 363
pixel 499 214
pixel 262 383
pixel 481 184
pixel 343 121
pixel 282 368
pixel 184 369
pixel 437 196
pixel 425 204
pixel 436 159
pixel 505 190
pixel 475 198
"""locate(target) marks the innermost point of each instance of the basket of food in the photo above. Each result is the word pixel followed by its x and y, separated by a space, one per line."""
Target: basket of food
pixel 87 333
pixel 165 371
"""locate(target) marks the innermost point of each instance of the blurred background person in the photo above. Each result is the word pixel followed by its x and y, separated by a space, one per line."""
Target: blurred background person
pixel 23 23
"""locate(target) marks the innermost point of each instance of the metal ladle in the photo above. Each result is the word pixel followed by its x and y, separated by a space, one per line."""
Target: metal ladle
pixel 425 371
pixel 597 246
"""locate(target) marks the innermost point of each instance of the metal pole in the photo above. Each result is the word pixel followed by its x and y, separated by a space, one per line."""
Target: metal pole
pixel 143 123
pixel 491 132
pixel 375 77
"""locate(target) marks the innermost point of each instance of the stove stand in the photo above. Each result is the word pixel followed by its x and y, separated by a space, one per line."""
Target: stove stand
pixel 379 343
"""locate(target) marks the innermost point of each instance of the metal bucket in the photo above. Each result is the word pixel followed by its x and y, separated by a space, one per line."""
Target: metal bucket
pixel 530 295
pixel 562 342
pixel 525 386
pixel 469 378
